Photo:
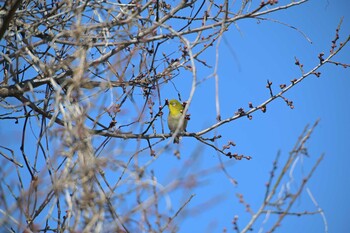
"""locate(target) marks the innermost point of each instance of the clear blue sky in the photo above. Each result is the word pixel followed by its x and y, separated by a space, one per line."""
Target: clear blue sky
pixel 262 51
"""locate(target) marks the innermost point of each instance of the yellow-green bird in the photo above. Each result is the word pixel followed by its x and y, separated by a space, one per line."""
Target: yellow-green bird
pixel 175 112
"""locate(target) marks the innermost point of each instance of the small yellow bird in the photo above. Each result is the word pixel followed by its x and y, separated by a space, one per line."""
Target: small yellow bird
pixel 175 113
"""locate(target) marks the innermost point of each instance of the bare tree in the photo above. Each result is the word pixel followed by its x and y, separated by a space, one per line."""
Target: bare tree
pixel 85 80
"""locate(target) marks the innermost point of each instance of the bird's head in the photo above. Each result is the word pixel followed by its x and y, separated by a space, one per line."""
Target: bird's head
pixel 175 107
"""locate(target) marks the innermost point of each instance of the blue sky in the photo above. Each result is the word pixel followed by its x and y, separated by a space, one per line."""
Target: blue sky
pixel 267 50
pixel 260 51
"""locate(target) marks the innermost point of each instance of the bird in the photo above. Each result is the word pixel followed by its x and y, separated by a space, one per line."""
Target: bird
pixel 175 113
